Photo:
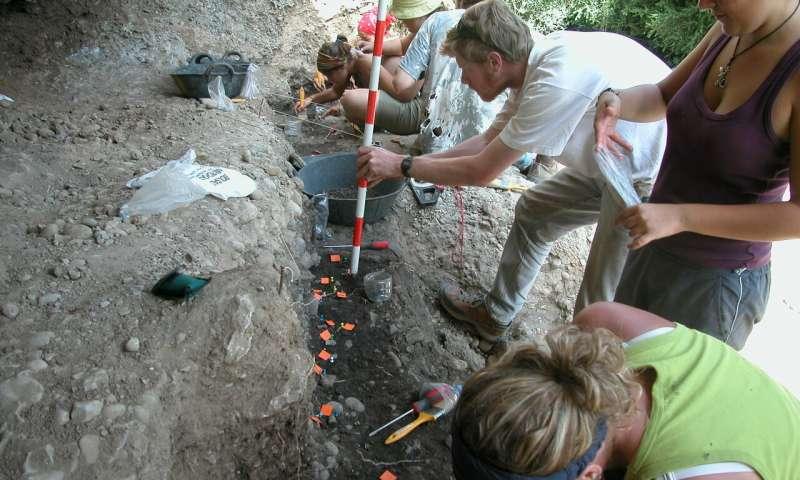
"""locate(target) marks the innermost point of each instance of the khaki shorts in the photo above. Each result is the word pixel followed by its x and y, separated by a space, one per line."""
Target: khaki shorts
pixel 401 118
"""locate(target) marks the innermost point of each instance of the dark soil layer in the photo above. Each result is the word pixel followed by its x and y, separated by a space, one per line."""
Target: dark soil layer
pixel 366 371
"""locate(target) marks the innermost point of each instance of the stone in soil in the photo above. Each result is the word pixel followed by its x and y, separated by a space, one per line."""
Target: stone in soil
pixel 132 345
pixel 90 448
pixel 83 412
pixel 354 404
pixel 10 310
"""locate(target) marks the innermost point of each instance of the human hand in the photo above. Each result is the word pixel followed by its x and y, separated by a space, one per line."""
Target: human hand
pixel 651 221
pixel 366 46
pixel 301 105
pixel 606 136
pixel 376 164
pixel 333 111
pixel 319 81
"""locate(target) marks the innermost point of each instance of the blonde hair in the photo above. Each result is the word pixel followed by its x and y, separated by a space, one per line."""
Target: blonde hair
pixel 537 408
pixel 489 26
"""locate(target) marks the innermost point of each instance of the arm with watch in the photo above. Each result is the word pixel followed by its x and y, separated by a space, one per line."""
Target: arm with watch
pixel 476 161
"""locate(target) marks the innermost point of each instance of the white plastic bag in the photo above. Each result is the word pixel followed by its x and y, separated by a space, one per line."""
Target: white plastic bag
pixel 217 93
pixel 250 88
pixel 4 98
pixel 181 182
pixel 618 173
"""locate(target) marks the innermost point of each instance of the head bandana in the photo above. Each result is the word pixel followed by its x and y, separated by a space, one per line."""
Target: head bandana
pixel 466 466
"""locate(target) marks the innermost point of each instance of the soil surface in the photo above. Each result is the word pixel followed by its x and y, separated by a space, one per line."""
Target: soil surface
pixel 101 379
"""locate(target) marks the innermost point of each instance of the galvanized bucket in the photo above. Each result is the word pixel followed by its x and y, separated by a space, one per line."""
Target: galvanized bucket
pixel 323 173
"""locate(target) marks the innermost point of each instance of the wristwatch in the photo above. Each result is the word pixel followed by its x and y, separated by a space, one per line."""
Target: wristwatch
pixel 405 166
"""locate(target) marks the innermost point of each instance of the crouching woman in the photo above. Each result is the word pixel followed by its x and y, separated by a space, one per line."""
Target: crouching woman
pixel 624 389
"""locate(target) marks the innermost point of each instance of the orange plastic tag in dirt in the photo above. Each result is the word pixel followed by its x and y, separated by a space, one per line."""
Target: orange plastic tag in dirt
pixel 387 475
pixel 349 326
pixel 325 280
pixel 326 410
pixel 324 355
pixel 336 258
pixel 341 294
pixel 330 323
pixel 325 335
pixel 317 369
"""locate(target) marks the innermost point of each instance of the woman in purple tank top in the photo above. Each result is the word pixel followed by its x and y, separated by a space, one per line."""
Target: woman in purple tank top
pixel 700 249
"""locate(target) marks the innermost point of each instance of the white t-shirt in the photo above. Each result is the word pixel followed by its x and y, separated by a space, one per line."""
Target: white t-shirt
pixel 553 113
pixel 455 112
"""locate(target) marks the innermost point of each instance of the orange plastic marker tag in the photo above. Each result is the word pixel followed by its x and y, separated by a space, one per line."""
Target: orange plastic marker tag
pixel 387 475
pixel 349 326
pixel 326 410
pixel 317 369
pixel 325 280
pixel 324 355
pixel 336 258
pixel 330 323
pixel 325 335
pixel 341 294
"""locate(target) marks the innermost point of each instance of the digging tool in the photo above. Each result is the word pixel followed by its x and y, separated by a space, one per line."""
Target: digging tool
pixel 437 399
pixel 376 245
pixel 431 394
pixel 369 126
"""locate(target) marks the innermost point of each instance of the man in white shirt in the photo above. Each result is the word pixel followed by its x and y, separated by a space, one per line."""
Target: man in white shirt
pixel 455 112
pixel 554 81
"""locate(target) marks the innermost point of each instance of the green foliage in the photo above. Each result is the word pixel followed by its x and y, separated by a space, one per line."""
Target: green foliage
pixel 669 27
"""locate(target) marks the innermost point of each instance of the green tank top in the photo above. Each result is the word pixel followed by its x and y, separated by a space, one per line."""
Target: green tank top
pixel 710 405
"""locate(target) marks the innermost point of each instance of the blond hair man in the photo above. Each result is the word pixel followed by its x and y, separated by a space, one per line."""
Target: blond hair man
pixel 554 81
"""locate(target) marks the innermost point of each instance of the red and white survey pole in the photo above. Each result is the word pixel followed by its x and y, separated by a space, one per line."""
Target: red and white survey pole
pixel 369 126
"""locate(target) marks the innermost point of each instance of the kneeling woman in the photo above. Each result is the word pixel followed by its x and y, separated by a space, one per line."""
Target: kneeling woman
pixel 625 389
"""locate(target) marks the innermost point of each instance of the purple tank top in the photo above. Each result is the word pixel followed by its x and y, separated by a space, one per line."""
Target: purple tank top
pixel 734 158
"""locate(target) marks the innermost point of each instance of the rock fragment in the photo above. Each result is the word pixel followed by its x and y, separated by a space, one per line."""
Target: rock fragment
pixel 75 230
pixel 132 345
pixel 10 310
pixel 83 412
pixel 90 448
pixel 19 392
pixel 49 299
pixel 354 404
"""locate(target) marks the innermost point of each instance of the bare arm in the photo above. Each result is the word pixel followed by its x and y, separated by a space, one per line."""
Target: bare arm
pixel 623 321
pixel 462 166
pixel 648 103
pixel 404 86
pixel 328 95
pixel 763 222
pixel 470 146
pixel 394 47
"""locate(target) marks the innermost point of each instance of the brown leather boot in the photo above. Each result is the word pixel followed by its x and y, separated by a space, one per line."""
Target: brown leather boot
pixel 470 311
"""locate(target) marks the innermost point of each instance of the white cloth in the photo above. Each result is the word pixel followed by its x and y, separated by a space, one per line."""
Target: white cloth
pixel 455 112
pixel 553 112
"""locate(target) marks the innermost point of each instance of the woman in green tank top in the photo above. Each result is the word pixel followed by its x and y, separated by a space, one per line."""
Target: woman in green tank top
pixel 623 389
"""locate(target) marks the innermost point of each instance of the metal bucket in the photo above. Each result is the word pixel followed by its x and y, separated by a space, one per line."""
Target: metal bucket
pixel 323 173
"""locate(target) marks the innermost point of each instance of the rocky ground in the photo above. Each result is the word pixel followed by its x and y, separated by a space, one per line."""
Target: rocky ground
pixel 101 379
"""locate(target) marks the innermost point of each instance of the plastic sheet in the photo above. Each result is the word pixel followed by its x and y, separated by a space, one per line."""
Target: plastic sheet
pixel 217 93
pixel 181 182
pixel 250 87
pixel 319 230
pixel 618 173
